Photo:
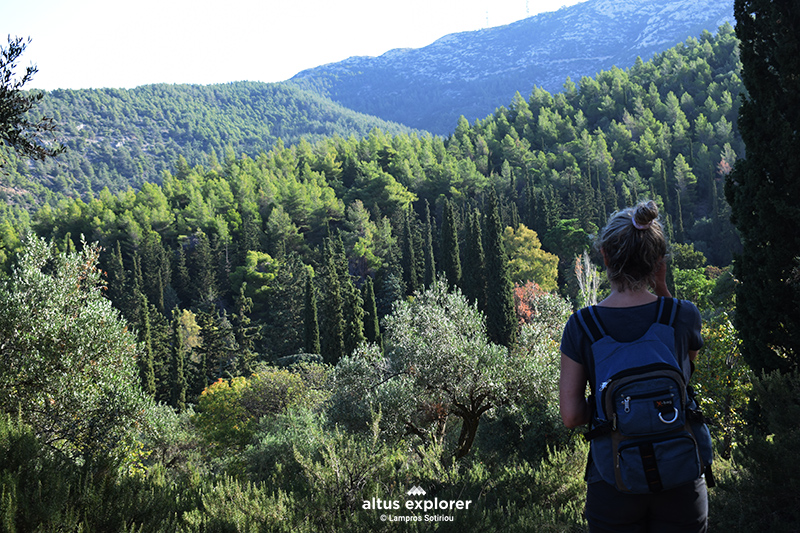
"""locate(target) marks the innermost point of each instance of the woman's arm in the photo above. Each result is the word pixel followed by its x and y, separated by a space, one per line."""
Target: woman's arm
pixel 661 281
pixel 572 393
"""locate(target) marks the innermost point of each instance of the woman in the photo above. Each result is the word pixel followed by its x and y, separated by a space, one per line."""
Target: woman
pixel 633 247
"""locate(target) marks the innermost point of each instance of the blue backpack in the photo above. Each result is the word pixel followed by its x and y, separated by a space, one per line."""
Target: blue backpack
pixel 647 433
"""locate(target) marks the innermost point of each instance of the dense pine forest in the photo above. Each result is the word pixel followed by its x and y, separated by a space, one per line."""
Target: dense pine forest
pixel 239 336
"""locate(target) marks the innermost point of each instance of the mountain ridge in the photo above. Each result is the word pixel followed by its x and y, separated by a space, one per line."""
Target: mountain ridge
pixel 472 73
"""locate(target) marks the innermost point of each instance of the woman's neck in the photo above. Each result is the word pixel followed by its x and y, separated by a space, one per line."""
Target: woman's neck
pixel 628 298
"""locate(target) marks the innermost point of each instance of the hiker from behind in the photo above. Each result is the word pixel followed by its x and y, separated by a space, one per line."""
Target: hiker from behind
pixel 650 447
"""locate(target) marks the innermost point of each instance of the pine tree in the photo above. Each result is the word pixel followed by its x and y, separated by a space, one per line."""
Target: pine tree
pixel 501 319
pixel 310 322
pixel 763 189
pixel 450 255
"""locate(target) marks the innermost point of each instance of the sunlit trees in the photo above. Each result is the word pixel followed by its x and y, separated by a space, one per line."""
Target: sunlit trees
pixel 440 364
pixel 527 260
pixel 69 361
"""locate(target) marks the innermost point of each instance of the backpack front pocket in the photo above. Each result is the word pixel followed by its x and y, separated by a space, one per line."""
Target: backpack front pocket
pixel 651 466
pixel 648 407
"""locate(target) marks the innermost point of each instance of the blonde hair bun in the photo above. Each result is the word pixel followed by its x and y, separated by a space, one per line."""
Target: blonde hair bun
pixel 644 214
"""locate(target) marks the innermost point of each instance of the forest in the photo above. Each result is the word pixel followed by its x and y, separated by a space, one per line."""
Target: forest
pixel 242 340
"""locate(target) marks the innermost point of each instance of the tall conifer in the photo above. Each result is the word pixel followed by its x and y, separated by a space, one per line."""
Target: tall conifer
pixel 430 262
pixel 372 331
pixel 179 383
pixel 353 315
pixel 473 279
pixel 764 188
pixel 332 327
pixel 146 368
pixel 310 320
pixel 409 256
pixel 450 255
pixel 501 319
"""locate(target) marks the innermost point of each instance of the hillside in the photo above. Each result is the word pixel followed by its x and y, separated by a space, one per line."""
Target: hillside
pixel 472 73
pixel 118 138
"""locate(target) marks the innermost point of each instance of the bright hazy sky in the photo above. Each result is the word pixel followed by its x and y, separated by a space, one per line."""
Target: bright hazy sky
pixel 126 43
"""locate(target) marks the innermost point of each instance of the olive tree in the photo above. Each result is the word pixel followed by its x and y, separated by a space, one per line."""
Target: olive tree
pixel 440 365
pixel 67 358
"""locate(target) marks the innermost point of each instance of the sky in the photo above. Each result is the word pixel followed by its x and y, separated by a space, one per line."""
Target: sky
pixel 80 44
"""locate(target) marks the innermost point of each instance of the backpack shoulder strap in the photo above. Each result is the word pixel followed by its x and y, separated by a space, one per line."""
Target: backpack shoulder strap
pixel 667 311
pixel 590 322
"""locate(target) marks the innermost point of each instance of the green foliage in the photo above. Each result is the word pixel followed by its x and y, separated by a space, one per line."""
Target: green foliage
pixel 225 244
pixel 763 189
pixel 439 364
pixel 695 286
pixel 723 382
pixel 221 415
pixel 256 275
pixel 228 411
pixel 501 320
pixel 761 492
pixel 68 366
pixel 17 130
pixel 450 256
pixel 528 262
pixel 310 320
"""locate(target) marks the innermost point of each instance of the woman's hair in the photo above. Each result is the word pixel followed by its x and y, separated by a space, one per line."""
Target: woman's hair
pixel 634 245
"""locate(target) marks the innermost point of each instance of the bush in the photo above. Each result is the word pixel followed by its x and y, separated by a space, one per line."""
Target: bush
pixel 760 491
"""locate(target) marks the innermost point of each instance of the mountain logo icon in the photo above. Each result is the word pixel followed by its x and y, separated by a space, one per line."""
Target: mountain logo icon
pixel 416 491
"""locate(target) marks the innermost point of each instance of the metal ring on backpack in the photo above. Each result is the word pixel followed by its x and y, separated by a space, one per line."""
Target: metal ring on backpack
pixel 674 418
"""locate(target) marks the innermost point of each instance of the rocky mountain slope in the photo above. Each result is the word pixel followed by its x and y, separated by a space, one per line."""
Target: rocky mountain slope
pixel 472 73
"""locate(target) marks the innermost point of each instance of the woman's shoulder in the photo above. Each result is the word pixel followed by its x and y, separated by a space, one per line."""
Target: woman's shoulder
pixel 689 308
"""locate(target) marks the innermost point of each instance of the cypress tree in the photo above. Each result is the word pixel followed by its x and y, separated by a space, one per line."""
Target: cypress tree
pixel 332 330
pixel 450 255
pixel 117 278
pixel 146 367
pixel 310 320
pixel 183 281
pixel 201 268
pixel 679 230
pixel 155 269
pixel 372 331
pixel 473 280
pixel 179 383
pixel 529 211
pixel 353 316
pixel 409 257
pixel 763 189
pixel 430 262
pixel 244 332
pixel 501 317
